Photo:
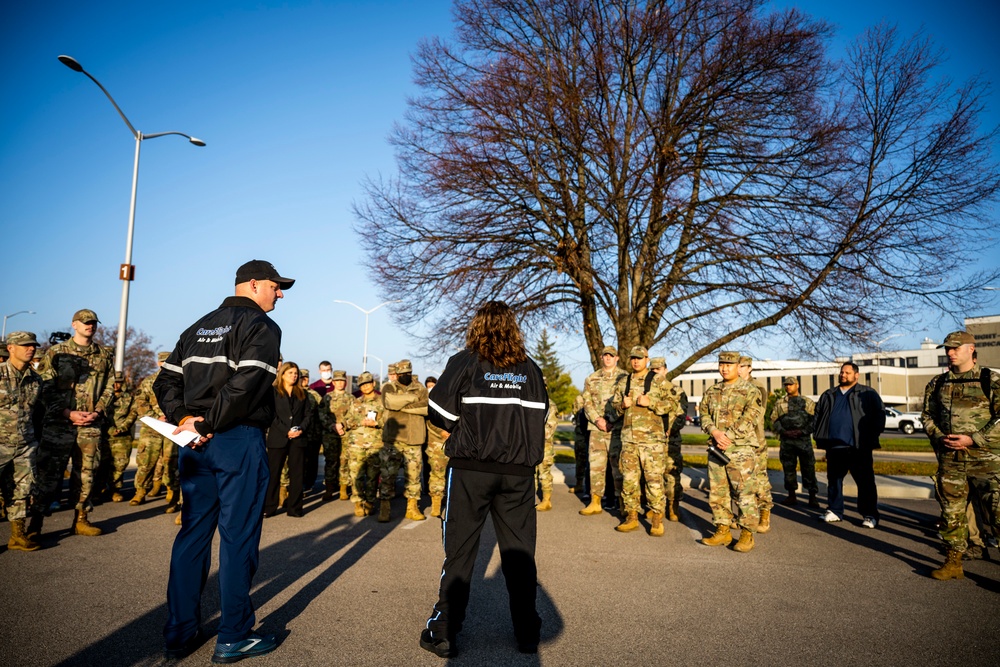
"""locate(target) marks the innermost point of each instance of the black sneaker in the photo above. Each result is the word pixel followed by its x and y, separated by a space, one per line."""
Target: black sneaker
pixel 439 646
pixel 184 650
pixel 250 647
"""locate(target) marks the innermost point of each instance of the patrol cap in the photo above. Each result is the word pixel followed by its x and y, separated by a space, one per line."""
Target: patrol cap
pixel 258 269
pixel 657 362
pixel 340 375
pixel 957 339
pixel 609 349
pixel 365 378
pixel 85 315
pixel 727 357
pixel 119 376
pixel 745 360
pixel 162 356
pixel 638 352
pixel 21 338
pixel 789 380
pixel 392 369
pixel 404 366
pixel 303 373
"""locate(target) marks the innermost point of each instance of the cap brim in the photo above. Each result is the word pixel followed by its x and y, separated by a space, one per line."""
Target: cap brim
pixel 284 283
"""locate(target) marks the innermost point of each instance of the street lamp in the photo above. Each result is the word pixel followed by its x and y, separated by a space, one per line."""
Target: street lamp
pixel 381 365
pixel 364 361
pixel 3 334
pixel 127 271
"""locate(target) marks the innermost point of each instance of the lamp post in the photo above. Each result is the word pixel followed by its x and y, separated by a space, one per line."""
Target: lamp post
pixel 127 272
pixel 364 360
pixel 3 334
pixel 381 365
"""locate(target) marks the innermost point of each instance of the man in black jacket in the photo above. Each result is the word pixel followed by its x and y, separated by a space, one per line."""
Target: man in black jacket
pixel 217 386
pixel 491 398
pixel 849 420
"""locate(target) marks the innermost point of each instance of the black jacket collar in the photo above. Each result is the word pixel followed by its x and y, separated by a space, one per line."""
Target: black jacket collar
pixel 240 302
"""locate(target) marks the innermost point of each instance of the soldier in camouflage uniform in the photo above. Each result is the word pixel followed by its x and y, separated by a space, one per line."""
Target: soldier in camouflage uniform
pixel 792 421
pixel 437 460
pixel 336 403
pixel 20 388
pixel 151 444
pixel 962 419
pixel 673 423
pixel 363 427
pixel 581 454
pixel 78 394
pixel 603 428
pixel 120 432
pixel 403 433
pixel 764 500
pixel 642 399
pixel 730 413
pixel 543 470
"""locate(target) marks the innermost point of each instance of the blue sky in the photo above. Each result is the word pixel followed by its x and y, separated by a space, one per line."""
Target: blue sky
pixel 295 100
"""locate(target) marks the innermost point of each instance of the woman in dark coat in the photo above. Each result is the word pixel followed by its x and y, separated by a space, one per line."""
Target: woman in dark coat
pixel 293 412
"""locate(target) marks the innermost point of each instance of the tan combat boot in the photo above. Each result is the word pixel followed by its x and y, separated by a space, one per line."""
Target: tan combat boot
pixel 546 503
pixel 117 497
pixel 18 540
pixel 656 530
pixel 155 491
pixel 177 521
pixel 952 568
pixel 282 496
pixel 722 537
pixel 672 514
pixel 139 498
pixel 83 527
pixel 436 505
pixel 413 512
pixel 171 502
pixel 594 507
pixel 765 521
pixel 630 523
pixel 746 542
pixel 359 508
pixel 383 511
pixel 344 495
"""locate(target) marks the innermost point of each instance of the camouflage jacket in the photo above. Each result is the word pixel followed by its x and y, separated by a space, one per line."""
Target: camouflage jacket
pixel 125 414
pixel 19 394
pixel 79 378
pixel 551 422
pixel 358 434
pixel 677 419
pixel 598 390
pixel 761 438
pixel 405 413
pixel 639 423
pixel 793 414
pixel 961 407
pixel 333 410
pixel 145 399
pixel 734 409
pixel 314 433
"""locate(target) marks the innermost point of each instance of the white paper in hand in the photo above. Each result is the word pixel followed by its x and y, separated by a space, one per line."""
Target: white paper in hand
pixel 166 429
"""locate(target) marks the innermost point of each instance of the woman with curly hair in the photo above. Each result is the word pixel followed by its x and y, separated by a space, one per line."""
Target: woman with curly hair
pixel 491 398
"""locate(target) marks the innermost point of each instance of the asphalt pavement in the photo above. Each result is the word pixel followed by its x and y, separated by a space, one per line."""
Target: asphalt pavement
pixel 342 590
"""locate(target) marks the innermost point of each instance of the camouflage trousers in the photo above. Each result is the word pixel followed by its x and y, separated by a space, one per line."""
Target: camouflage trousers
pixel 155 452
pixel 543 471
pixel 605 448
pixel 736 480
pixel 673 467
pixel 364 464
pixel 956 472
pixel 798 453
pixel 437 460
pixel 763 482
pixel 113 468
pixel 20 461
pixel 85 452
pixel 643 461
pixel 394 456
pixel 336 468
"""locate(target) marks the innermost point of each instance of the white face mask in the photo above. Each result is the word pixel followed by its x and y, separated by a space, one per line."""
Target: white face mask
pixel 326 375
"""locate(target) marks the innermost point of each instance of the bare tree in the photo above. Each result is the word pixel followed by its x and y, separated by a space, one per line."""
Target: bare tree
pixel 684 173
pixel 140 357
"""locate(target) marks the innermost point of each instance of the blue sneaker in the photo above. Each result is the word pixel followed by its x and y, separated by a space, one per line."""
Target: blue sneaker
pixel 250 647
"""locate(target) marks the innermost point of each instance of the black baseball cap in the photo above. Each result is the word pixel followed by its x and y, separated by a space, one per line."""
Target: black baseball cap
pixel 258 269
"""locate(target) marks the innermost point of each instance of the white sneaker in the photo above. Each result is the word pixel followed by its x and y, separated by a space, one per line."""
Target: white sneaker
pixel 869 522
pixel 830 517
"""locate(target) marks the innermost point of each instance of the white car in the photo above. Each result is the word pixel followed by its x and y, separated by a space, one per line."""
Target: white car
pixel 907 422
